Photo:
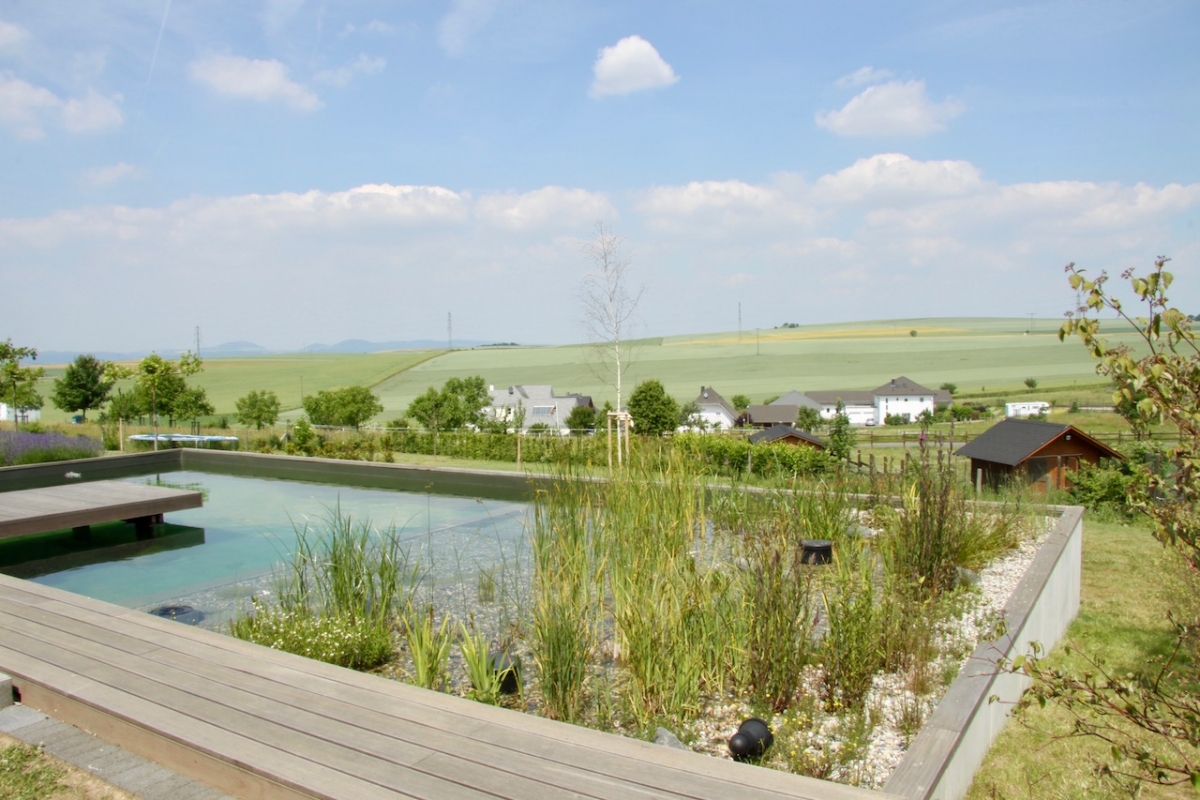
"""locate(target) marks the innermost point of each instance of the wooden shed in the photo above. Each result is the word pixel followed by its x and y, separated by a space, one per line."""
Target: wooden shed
pixel 1037 453
pixel 787 435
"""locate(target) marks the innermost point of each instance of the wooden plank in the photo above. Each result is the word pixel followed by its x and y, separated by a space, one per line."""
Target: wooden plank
pixel 373 732
pixel 320 713
pixel 29 511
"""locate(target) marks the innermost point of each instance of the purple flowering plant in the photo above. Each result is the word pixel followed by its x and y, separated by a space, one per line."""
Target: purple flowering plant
pixel 22 447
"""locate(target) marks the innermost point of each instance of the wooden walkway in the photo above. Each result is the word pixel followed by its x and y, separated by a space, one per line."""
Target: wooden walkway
pixel 78 505
pixel 257 723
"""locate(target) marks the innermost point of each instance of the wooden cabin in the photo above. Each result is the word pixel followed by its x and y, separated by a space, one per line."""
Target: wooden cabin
pixel 1035 453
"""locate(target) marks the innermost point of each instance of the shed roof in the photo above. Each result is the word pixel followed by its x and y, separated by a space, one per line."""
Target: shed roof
pixel 1012 441
pixel 778 433
pixel 772 414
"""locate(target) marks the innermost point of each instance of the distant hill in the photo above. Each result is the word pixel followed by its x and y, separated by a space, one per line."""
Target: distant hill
pixel 241 349
pixel 363 346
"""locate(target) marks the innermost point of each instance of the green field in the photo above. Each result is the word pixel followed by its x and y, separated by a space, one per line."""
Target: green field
pixel 987 357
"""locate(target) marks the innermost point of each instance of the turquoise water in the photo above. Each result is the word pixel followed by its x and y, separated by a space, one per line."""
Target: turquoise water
pixel 217 556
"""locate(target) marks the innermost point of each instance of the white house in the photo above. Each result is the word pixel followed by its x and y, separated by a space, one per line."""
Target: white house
pixel 538 402
pixel 715 411
pixel 899 396
pixel 26 415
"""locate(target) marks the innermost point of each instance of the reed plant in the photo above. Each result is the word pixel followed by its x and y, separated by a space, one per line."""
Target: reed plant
pixel 338 598
pixel 852 648
pixel 485 680
pixel 778 592
pixel 428 646
pixel 939 529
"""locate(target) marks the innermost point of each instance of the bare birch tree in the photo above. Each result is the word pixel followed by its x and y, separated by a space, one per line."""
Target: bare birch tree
pixel 609 304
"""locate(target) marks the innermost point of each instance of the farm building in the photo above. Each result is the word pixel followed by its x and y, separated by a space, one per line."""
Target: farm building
pixel 768 415
pixel 786 434
pixel 899 396
pixel 1037 453
pixel 538 402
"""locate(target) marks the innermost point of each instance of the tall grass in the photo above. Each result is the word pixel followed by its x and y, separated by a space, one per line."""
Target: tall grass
pixel 338 598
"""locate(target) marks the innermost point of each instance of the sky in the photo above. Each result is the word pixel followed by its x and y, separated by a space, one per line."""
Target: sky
pixel 288 172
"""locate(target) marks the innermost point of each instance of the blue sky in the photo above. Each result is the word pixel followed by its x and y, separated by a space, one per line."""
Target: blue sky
pixel 290 172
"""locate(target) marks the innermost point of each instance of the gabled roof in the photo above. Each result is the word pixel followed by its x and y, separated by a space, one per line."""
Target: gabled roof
pixel 708 397
pixel 780 433
pixel 795 398
pixel 847 398
pixel 1012 441
pixel 899 386
pixel 772 414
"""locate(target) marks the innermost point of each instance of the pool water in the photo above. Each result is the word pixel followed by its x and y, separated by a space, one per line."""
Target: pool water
pixel 216 557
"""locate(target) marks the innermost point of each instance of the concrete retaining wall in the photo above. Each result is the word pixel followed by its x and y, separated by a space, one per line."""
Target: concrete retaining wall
pixel 942 760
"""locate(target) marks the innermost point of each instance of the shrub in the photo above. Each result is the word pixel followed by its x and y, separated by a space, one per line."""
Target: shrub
pixel 26 447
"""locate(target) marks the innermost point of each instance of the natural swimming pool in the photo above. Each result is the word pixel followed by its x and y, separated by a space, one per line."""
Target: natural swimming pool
pixel 216 557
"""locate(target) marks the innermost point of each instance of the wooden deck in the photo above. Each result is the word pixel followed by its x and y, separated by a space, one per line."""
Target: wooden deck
pixel 258 723
pixel 78 505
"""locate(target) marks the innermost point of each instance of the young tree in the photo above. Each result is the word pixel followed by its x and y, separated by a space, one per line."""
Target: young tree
pixel 841 435
pixel 949 387
pixel 808 419
pixel 17 383
pixel 1150 720
pixel 350 406
pixel 654 411
pixel 1031 383
pixel 608 308
pixel 689 416
pixel 258 409
pixel 740 402
pixel 191 404
pixel 162 381
pixel 85 385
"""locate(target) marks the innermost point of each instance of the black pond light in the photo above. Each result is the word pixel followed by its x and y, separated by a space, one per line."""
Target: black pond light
pixel 751 741
pixel 816 551
pixel 508 668
pixel 185 614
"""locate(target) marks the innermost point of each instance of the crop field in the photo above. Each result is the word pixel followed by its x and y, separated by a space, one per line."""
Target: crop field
pixel 979 355
pixel 985 357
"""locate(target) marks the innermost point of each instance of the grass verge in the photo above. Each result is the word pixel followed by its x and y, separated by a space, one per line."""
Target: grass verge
pixel 1128 586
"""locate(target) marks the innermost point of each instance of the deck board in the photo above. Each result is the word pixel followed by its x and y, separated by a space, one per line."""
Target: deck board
pixel 53 508
pixel 280 725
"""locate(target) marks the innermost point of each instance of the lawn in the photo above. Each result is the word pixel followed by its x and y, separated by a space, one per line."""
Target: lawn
pixel 1128 586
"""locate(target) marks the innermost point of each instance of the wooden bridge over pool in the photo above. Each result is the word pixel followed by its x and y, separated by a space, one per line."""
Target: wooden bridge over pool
pixel 259 723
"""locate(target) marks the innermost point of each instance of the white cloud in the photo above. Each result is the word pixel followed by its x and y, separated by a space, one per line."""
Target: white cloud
pixel 105 176
pixel 25 109
pixel 252 79
pixel 630 65
pixel 897 108
pixel 862 76
pixel 464 19
pixel 22 105
pixel 93 113
pixel 341 76
pixel 895 175
pixel 552 205
pixel 11 35
pixel 885 236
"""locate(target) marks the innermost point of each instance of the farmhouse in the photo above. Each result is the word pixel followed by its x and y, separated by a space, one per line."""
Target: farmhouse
pixel 786 434
pixel 1033 452
pixel 715 411
pixel 898 397
pixel 538 403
